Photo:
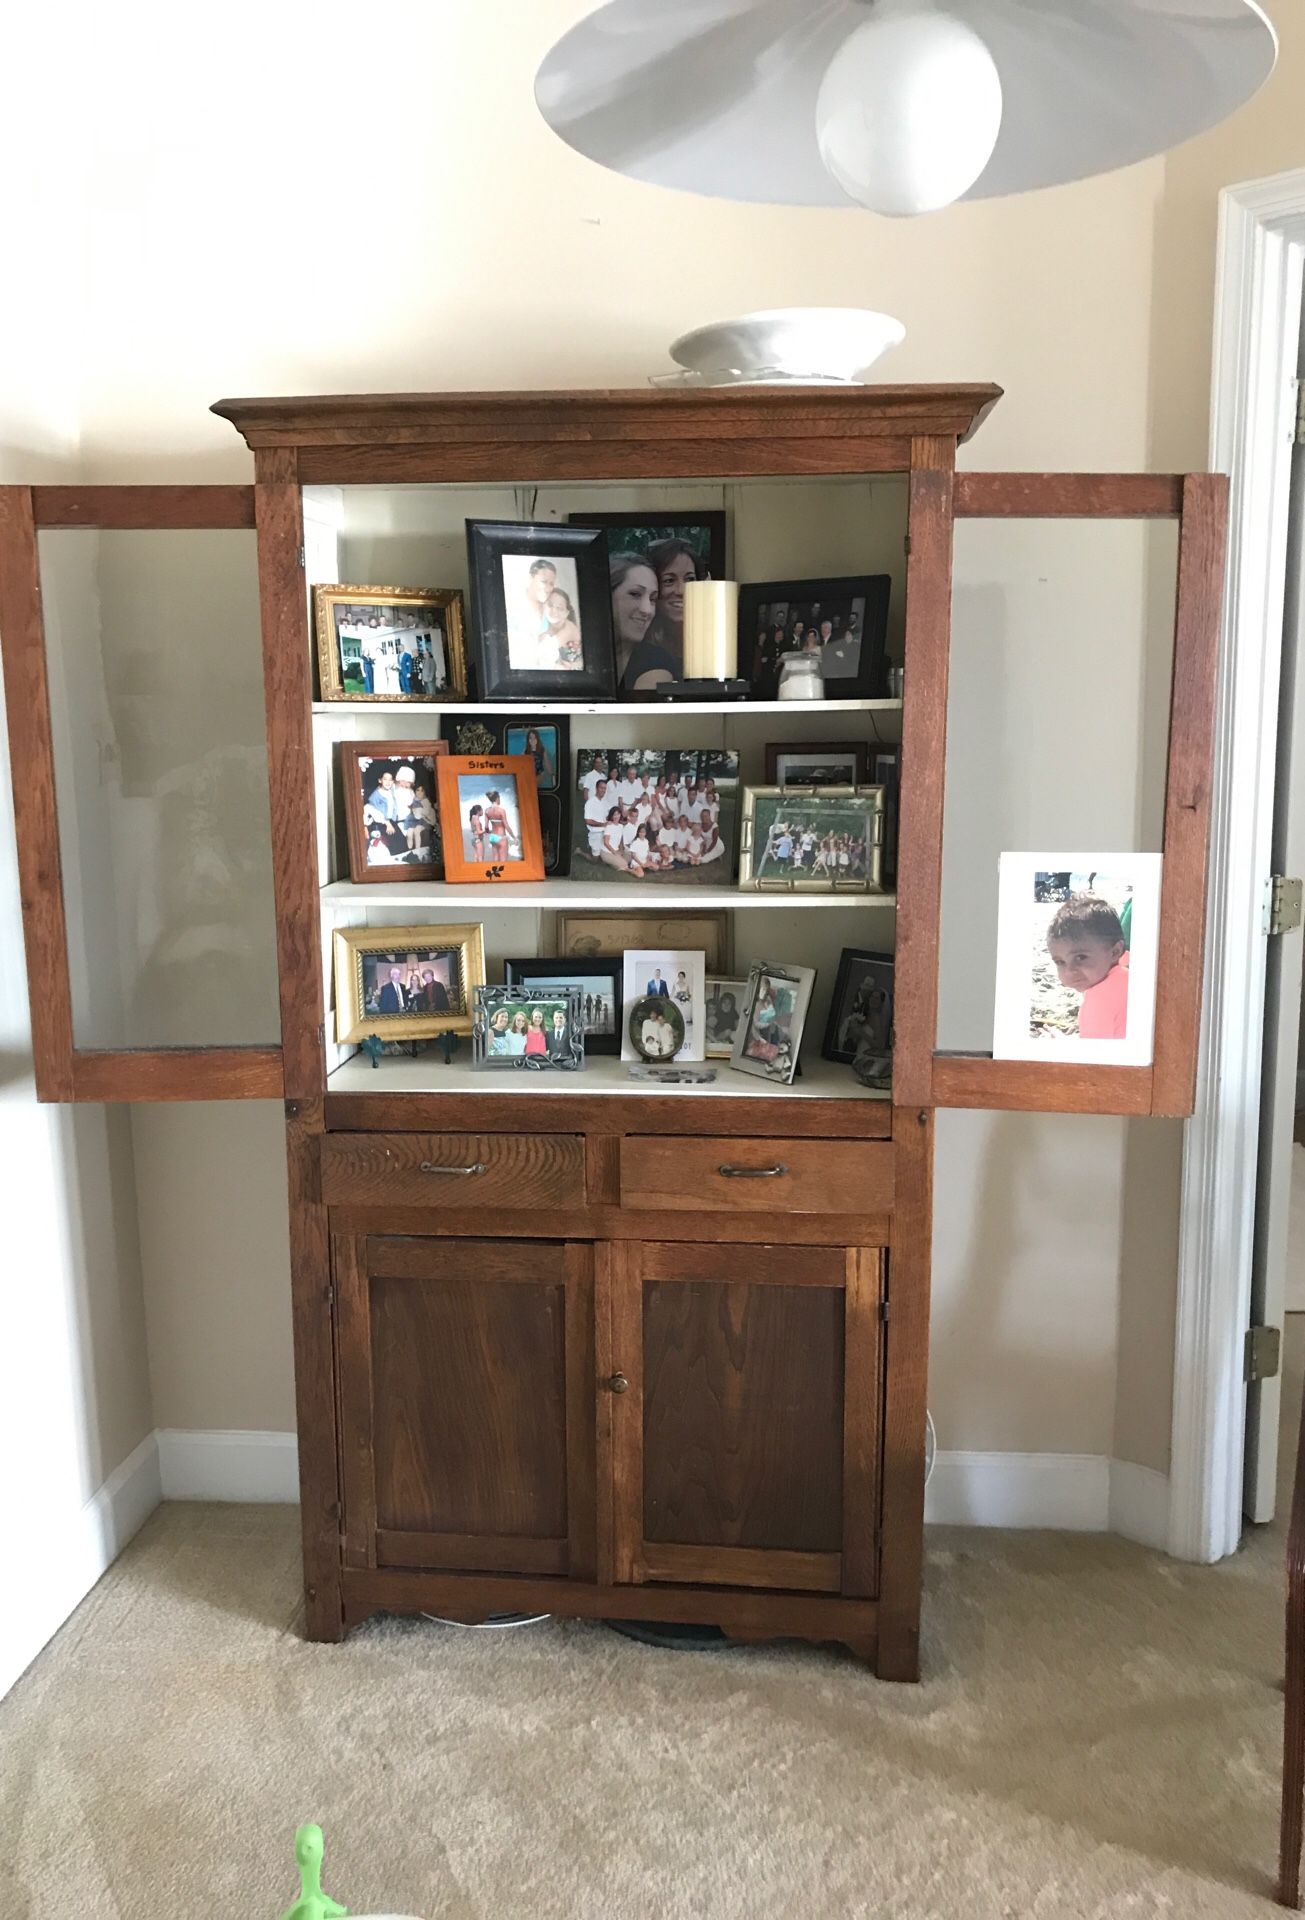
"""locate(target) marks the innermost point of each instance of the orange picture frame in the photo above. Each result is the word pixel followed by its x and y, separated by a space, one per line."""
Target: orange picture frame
pixel 489 817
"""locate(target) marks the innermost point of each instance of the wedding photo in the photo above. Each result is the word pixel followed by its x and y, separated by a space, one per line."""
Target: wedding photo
pixel 647 815
pixel 676 979
pixel 391 808
pixel 389 643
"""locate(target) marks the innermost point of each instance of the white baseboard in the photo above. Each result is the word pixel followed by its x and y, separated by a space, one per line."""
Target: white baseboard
pixel 1139 1504
pixel 1070 1491
pixel 69 1558
pixel 228 1466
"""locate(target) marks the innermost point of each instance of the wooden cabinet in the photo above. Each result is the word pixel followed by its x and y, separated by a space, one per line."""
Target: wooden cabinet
pixel 744 1439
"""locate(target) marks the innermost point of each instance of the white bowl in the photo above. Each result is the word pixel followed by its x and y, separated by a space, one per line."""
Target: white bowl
pixel 835 345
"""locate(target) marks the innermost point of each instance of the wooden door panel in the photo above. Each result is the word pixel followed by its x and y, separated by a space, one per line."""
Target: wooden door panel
pixel 467 1403
pixel 742 1441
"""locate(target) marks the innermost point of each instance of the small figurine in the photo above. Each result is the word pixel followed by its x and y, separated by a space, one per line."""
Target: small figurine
pixel 312 1903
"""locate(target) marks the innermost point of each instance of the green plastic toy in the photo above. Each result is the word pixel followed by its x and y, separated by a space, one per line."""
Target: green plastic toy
pixel 312 1903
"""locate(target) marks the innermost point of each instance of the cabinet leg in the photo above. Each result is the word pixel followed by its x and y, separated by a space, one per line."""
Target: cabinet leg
pixel 898 1655
pixel 323 1611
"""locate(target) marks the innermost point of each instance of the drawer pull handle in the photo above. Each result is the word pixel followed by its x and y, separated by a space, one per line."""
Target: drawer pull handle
pixel 752 1173
pixel 428 1166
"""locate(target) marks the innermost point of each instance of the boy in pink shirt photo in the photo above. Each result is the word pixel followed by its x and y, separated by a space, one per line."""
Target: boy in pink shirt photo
pixel 1088 948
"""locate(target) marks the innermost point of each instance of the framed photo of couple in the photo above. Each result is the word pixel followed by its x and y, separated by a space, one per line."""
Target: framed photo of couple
pixel 540 607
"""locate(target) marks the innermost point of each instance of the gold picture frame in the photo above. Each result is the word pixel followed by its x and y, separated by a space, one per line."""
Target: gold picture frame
pixel 597 935
pixel 338 682
pixel 455 952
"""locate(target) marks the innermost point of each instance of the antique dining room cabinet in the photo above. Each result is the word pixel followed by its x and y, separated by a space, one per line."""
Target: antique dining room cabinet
pixel 575 1343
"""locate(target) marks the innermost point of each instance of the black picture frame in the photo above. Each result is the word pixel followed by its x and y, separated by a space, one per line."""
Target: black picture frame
pixel 580 558
pixel 766 605
pixel 527 971
pixel 856 965
pixel 491 733
pixel 488 1001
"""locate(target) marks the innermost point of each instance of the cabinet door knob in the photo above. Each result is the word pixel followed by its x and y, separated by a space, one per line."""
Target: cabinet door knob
pixel 752 1173
pixel 618 1383
pixel 428 1166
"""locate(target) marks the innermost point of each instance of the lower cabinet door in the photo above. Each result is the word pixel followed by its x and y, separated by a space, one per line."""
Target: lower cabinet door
pixel 740 1413
pixel 466 1372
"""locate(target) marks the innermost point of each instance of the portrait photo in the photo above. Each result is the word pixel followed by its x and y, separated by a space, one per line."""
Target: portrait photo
pixel 391 808
pixel 651 559
pixel 1077 944
pixel 814 840
pixel 597 982
pixel 489 817
pixel 406 983
pixel 769 1040
pixel 541 618
pixel 676 978
pixel 547 743
pixel 594 935
pixel 389 643
pixel 844 763
pixel 648 816
pixel 843 622
pixel 859 1033
pixel 527 1027
pixel 724 1010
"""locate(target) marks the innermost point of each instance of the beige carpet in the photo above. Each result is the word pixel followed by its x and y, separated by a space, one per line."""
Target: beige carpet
pixel 1098 1735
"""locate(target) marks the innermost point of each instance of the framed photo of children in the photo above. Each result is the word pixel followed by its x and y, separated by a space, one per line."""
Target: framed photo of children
pixel 542 623
pixel 548 743
pixel 812 839
pixel 769 1038
pixel 844 622
pixel 489 817
pixel 529 1028
pixel 1077 946
pixel 655 816
pixel 725 999
pixel 651 559
pixel 390 643
pixel 390 811
pixel 406 983
pixel 598 983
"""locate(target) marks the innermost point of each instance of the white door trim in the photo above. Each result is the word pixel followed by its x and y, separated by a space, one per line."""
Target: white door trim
pixel 1252 412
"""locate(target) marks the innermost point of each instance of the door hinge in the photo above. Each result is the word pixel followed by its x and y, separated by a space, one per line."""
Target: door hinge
pixel 1300 413
pixel 883 1311
pixel 1263 1351
pixel 303 559
pixel 1284 904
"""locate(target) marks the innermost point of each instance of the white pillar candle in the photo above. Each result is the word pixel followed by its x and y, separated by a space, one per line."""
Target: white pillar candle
pixel 711 629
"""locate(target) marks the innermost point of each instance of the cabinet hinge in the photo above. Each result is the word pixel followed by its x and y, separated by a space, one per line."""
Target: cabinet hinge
pixel 883 1311
pixel 1300 413
pixel 1263 1351
pixel 303 559
pixel 1283 907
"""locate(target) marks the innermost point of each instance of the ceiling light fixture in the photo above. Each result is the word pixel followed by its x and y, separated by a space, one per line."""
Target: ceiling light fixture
pixel 900 105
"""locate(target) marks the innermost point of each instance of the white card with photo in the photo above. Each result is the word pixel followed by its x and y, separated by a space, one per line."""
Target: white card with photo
pixel 1077 949
pixel 678 980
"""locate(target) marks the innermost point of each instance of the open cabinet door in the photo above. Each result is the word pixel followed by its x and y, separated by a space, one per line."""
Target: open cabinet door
pixel 1042 686
pixel 130 636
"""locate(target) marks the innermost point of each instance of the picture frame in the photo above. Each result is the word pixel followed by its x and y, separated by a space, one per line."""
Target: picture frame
pixel 365 960
pixel 812 840
pixel 818 763
pixel 502 1015
pixel 725 1000
pixel 769 1040
pixel 598 983
pixel 489 817
pixel 1078 940
pixel 676 547
pixel 859 1030
pixel 391 808
pixel 361 633
pixel 541 611
pixel 651 817
pixel 667 980
pixel 510 733
pixel 886 772
pixel 597 935
pixel 777 617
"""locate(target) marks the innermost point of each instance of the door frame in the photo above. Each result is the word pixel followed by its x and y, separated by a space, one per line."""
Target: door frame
pixel 1260 270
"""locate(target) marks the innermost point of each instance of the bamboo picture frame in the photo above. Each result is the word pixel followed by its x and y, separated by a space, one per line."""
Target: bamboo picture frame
pixel 489 816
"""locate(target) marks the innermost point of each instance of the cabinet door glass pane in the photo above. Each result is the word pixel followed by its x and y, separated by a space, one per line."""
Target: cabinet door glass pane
pixel 1057 720
pixel 161 771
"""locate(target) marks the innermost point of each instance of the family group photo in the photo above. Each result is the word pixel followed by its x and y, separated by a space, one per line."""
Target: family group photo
pixel 818 841
pixel 529 1027
pixel 841 623
pixel 400 815
pixel 645 814
pixel 411 983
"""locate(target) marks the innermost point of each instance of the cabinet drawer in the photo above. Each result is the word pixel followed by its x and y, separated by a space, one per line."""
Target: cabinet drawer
pixel 453 1169
pixel 756 1176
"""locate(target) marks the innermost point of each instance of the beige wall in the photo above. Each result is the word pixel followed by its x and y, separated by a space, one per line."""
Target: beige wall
pixel 479 251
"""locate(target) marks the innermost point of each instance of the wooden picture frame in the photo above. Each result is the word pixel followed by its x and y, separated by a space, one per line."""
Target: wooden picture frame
pixel 507 813
pixel 359 1011
pixel 857 752
pixel 551 970
pixel 597 935
pixel 810 817
pixel 766 607
pixel 353 759
pixel 442 606
pixel 509 732
pixel 518 572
